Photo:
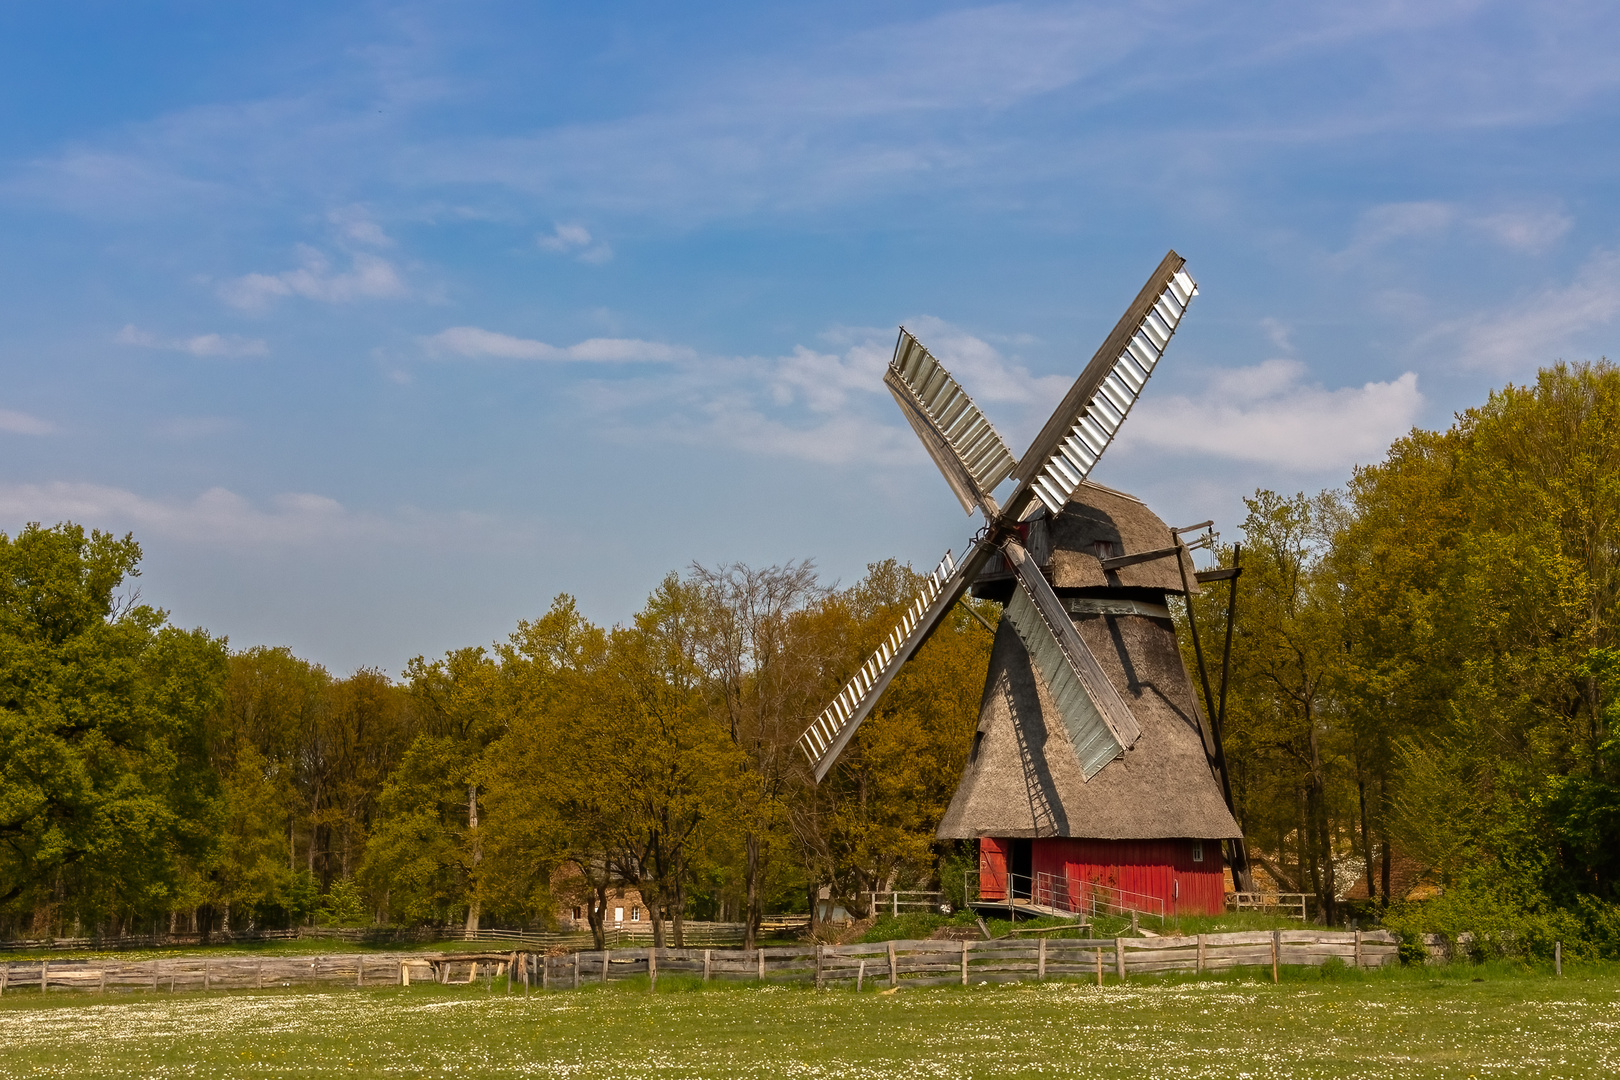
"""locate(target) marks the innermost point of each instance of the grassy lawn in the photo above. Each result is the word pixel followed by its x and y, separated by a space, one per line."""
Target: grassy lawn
pixel 1459 1021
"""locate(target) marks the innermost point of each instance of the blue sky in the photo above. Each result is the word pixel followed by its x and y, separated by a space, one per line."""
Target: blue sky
pixel 381 325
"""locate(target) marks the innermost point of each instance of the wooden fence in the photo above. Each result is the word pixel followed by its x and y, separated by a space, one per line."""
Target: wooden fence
pixel 892 964
pixel 618 935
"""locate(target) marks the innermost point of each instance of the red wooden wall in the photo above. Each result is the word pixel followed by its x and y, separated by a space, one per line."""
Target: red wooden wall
pixel 1159 868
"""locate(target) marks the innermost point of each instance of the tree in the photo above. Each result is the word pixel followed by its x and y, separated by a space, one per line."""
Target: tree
pixel 105 793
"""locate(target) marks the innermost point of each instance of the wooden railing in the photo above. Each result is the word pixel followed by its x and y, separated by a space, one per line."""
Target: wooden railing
pixel 893 963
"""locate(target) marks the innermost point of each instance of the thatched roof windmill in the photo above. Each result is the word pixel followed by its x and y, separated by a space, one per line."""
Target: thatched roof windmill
pixel 1093 775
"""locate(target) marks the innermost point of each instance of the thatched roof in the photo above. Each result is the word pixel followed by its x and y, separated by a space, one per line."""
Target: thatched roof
pixel 1097 523
pixel 1161 788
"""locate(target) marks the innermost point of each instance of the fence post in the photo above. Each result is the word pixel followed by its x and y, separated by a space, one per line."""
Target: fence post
pixel 1358 948
pixel 5 975
pixel 44 975
pixel 965 944
pixel 860 976
pixel 894 970
pixel 576 971
pixel 102 989
pixel 1200 954
pixel 258 975
pixel 1098 953
pixel 207 981
pixel 360 970
pixel 708 962
pixel 1040 962
pixel 762 964
pixel 1558 958
pixel 1276 950
pixel 511 970
pixel 819 947
pixel 1119 956
pixel 604 966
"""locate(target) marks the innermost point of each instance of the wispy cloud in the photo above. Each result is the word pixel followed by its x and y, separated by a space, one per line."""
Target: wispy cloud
pixel 1519 337
pixel 219 517
pixel 575 240
pixel 1525 229
pixel 369 277
pixel 813 404
pixel 477 343
pixel 197 344
pixel 355 225
pixel 1269 414
pixel 20 423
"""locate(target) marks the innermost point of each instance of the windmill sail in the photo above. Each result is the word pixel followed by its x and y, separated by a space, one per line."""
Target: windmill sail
pixel 825 739
pixel 1099 723
pixel 1085 423
pixel 956 434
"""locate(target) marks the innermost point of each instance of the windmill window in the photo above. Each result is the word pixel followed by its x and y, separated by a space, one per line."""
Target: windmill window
pixel 978 741
pixel 1104 549
pixel 1198 851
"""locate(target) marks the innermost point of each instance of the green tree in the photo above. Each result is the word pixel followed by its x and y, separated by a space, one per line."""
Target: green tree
pixel 105 793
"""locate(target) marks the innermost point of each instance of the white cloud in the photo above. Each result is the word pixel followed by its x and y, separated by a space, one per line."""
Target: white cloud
pixel 1385 224
pixel 475 342
pixel 354 224
pixel 1536 331
pixel 369 277
pixel 18 423
pixel 221 518
pixel 816 405
pixel 1268 414
pixel 217 516
pixel 196 345
pixel 1524 230
pixel 565 239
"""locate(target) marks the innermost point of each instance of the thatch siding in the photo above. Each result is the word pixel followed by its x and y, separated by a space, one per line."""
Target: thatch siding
pixel 1160 789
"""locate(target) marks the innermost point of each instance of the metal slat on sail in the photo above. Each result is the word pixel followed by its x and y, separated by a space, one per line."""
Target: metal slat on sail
pixel 1094 744
pixel 825 739
pixel 1099 722
pixel 1141 343
pixel 956 434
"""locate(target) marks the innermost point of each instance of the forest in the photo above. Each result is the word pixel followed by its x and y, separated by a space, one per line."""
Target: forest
pixel 1425 691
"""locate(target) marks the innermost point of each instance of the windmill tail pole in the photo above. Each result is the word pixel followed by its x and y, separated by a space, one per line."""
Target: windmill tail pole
pixel 1241 874
pixel 1182 557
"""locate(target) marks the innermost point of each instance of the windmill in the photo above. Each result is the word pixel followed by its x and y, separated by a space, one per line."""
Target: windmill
pixel 1071 749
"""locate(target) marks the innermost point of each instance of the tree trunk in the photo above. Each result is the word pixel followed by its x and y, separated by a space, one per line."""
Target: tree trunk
pixel 476 857
pixel 751 931
pixel 652 894
pixel 1383 902
pixel 1366 841
pixel 678 911
pixel 596 915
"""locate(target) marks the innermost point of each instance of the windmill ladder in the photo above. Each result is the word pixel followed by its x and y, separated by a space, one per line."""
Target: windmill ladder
pixel 1040 810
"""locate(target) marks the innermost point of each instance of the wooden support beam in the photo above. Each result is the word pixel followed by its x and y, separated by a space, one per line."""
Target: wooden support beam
pixel 1119 562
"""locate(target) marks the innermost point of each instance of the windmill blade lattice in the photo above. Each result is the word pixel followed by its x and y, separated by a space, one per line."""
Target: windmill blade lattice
pixel 956 434
pixel 1099 722
pixel 1065 451
pixel 825 739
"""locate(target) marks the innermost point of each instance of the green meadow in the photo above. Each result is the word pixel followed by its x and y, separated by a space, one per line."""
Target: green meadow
pixel 1461 1020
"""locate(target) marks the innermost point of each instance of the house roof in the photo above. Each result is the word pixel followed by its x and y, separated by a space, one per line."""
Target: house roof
pixel 1161 788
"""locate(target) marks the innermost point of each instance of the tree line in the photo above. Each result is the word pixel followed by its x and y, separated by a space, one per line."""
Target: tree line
pixel 1426 671
pixel 152 778
pixel 1425 685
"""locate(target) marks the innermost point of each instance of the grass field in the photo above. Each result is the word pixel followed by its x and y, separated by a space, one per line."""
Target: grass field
pixel 1460 1021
